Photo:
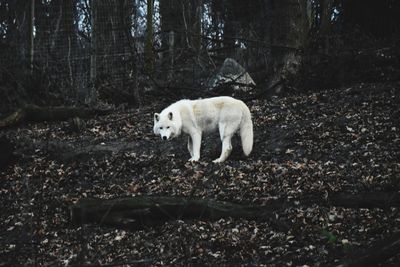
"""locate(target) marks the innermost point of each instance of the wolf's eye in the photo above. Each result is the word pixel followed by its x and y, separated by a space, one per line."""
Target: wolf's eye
pixel 160 128
pixel 167 127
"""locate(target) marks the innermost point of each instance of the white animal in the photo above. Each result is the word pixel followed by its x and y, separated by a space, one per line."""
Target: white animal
pixel 195 117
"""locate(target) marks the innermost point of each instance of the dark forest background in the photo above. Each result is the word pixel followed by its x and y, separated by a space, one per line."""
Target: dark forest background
pixel 81 51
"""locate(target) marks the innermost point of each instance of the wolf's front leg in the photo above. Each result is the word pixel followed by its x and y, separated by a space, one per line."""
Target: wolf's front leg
pixel 196 143
pixel 190 146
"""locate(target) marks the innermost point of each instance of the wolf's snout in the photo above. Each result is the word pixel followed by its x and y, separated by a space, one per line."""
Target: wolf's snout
pixel 164 138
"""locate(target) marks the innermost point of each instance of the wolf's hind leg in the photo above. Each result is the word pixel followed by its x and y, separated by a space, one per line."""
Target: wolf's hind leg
pixel 196 144
pixel 226 131
pixel 190 146
pixel 226 149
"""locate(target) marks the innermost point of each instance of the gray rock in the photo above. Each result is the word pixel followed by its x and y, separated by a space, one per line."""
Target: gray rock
pixel 233 73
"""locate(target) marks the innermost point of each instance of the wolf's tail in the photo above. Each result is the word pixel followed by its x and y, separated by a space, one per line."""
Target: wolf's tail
pixel 246 132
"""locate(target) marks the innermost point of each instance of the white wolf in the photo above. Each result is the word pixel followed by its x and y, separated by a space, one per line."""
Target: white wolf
pixel 196 117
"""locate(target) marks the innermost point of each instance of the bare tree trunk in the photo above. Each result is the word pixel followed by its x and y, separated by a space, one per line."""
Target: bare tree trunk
pixel 171 20
pixel 31 35
pixel 149 54
pixel 63 31
pixel 112 27
pixel 181 30
pixel 196 24
pixel 230 30
pixel 326 14
pixel 171 33
pixel 93 52
pixel 216 11
pixel 18 28
pixel 56 38
pixel 325 26
pixel 289 28
pixel 191 14
pixel 135 56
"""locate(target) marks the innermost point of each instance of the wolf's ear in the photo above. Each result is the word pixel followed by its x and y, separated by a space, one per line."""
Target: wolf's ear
pixel 156 117
pixel 170 116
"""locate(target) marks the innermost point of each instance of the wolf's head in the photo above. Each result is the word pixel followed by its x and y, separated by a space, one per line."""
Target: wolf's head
pixel 167 125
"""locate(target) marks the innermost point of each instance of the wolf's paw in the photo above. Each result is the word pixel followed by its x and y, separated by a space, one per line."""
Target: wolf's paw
pixel 193 159
pixel 218 160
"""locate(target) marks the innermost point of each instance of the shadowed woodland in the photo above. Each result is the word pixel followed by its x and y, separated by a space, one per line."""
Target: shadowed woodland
pixel 85 182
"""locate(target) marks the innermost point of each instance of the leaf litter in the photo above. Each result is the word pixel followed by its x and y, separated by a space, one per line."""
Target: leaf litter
pixel 307 146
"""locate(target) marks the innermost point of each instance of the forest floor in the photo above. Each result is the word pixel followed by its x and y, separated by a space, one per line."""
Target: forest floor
pixel 307 146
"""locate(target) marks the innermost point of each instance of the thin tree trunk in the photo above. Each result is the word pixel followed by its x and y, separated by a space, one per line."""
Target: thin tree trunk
pixel 93 52
pixel 149 53
pixel 31 35
pixel 325 27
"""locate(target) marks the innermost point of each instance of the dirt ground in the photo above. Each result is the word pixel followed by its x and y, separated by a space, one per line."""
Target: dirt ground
pixel 307 147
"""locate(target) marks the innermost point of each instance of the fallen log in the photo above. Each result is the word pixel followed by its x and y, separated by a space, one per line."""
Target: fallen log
pixel 146 211
pixel 32 113
pixel 366 200
pixel 379 252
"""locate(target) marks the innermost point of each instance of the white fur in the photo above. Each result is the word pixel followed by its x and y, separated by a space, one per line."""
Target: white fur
pixel 195 117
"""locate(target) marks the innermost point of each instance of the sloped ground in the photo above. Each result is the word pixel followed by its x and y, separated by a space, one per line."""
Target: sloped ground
pixel 306 146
